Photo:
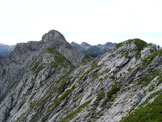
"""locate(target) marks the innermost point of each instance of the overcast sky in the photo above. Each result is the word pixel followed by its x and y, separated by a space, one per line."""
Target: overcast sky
pixel 92 21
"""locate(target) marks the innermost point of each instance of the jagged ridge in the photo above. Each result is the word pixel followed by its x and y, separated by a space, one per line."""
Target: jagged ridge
pixel 105 90
pixel 15 65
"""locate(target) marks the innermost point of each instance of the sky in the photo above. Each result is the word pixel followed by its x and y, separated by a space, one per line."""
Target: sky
pixel 92 21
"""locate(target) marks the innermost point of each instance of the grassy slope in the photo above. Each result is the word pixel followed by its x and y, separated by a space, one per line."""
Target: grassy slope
pixel 150 113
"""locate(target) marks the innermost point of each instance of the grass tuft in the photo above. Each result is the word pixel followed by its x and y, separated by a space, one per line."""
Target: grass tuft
pixel 140 44
pixel 100 95
pixel 73 114
pixel 150 113
pixel 119 45
pixel 113 91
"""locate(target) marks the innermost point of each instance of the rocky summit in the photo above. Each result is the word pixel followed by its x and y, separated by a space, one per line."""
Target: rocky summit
pixel 50 81
pixel 17 63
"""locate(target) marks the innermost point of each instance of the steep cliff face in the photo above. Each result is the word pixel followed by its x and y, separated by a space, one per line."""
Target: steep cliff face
pixel 107 89
pixel 15 65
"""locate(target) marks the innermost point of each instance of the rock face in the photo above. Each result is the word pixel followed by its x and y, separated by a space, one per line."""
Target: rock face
pixel 13 67
pixel 52 89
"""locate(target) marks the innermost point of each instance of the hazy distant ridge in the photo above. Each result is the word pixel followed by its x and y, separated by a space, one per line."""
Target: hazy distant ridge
pixel 88 49
pixel 5 50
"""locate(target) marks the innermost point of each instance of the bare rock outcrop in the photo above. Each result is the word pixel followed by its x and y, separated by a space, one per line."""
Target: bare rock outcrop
pixel 107 89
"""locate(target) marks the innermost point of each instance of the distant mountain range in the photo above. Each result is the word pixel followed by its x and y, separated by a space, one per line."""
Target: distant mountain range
pixel 5 49
pixel 88 49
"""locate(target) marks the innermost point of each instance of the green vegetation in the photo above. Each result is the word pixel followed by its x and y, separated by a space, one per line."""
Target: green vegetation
pixel 151 88
pixel 140 44
pixel 87 72
pixel 149 59
pixel 32 106
pixel 160 52
pixel 32 96
pixel 100 95
pixel 50 50
pixel 57 100
pixel 56 89
pixel 59 59
pixel 18 120
pixel 52 91
pixel 119 45
pixel 77 98
pixel 129 41
pixel 151 96
pixel 87 58
pixel 160 81
pixel 95 75
pixel 113 91
pixel 125 53
pixel 138 55
pixel 73 114
pixel 36 64
pixel 65 78
pixel 130 69
pixel 65 94
pixel 94 65
pixel 56 86
pixel 149 77
pixel 107 71
pixel 153 54
pixel 37 68
pixel 150 113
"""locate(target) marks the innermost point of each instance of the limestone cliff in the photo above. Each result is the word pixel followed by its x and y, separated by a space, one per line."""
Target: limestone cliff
pixel 15 65
pixel 51 88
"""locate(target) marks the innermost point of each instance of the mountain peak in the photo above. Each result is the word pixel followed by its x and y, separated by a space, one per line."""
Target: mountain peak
pixel 110 44
pixel 133 43
pixel 24 55
pixel 85 44
pixel 52 35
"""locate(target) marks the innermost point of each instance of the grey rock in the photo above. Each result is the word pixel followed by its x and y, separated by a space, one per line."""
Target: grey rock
pixel 37 86
pixel 139 97
pixel 103 102
pixel 122 62
pixel 24 54
pixel 146 52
